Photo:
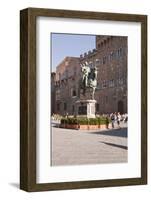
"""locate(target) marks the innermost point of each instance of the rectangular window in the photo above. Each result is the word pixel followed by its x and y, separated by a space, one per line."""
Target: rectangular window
pixel 111 56
pixel 120 81
pixel 105 84
pixel 104 59
pixel 119 52
pixel 114 55
pixel 97 62
pixel 58 94
pixel 111 83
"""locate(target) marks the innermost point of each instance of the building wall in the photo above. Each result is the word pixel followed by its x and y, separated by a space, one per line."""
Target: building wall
pixel 112 74
pixel 53 92
pixel 110 58
pixel 66 85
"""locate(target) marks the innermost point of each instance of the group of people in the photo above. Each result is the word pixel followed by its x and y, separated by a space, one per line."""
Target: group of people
pixel 118 118
pixel 56 117
pixel 115 118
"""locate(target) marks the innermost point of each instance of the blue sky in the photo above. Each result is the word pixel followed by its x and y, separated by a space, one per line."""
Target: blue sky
pixel 69 45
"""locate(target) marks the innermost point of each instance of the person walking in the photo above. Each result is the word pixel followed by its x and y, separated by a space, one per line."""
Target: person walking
pixel 112 119
pixel 107 122
pixel 118 119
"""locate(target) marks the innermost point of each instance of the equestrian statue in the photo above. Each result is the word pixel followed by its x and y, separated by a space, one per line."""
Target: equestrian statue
pixel 88 79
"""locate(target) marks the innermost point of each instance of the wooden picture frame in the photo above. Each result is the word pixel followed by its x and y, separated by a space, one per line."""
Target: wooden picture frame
pixel 28 98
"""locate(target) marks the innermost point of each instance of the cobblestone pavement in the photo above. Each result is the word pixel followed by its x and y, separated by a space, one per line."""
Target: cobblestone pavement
pixel 74 147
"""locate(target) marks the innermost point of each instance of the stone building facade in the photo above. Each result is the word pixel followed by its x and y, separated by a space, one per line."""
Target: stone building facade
pixel 110 58
pixel 53 92
pixel 66 84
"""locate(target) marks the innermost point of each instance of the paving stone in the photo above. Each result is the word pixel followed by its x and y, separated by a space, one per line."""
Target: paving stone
pixel 76 147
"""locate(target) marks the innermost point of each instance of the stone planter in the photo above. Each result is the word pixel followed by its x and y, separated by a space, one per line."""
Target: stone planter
pixel 83 127
pixel 62 126
pixel 91 127
pixel 72 126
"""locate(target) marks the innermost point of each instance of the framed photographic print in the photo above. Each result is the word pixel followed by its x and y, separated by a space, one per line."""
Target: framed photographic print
pixel 83 99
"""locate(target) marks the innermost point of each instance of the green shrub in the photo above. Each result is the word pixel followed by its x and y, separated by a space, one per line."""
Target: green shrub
pixel 69 121
pixel 93 121
pixel 64 121
pixel 85 121
pixel 103 120
pixel 72 121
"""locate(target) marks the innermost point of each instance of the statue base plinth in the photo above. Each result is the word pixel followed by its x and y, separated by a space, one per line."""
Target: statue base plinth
pixel 85 108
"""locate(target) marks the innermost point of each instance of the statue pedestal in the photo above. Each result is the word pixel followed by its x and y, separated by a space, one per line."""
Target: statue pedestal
pixel 85 108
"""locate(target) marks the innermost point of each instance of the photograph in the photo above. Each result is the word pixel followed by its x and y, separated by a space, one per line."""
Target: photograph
pixel 83 94
pixel 89 99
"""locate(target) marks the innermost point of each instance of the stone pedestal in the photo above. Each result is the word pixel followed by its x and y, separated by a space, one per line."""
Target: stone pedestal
pixel 85 108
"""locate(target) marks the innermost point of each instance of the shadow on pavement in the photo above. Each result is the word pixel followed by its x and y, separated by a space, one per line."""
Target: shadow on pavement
pixel 115 145
pixel 122 132
pixel 16 185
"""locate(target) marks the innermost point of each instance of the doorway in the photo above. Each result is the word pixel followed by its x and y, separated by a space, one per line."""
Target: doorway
pixel 120 107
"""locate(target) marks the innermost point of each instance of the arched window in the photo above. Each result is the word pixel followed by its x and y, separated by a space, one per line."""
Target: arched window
pixel 99 46
pixel 73 92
